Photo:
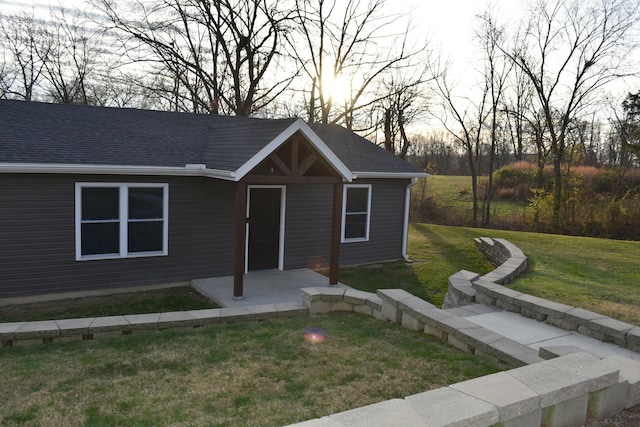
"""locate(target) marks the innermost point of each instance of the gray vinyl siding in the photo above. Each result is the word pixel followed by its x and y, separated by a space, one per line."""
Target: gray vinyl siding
pixel 386 225
pixel 37 233
pixel 37 236
pixel 308 228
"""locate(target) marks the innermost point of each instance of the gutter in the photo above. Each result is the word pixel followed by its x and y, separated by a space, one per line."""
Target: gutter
pixel 390 175
pixel 187 170
pixel 405 225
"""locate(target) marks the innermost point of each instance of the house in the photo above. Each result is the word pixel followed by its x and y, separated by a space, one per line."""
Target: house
pixel 94 198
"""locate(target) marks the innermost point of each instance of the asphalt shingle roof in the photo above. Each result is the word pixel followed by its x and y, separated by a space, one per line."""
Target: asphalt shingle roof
pixel 40 133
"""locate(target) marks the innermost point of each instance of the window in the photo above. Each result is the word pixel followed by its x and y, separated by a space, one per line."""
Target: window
pixel 356 212
pixel 121 220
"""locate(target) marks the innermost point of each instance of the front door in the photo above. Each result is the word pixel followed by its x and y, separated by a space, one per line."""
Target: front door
pixel 264 223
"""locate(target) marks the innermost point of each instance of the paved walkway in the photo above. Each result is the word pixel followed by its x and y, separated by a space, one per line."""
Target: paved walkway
pixel 536 334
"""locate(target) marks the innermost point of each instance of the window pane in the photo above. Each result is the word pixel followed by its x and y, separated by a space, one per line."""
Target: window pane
pixel 100 203
pixel 355 226
pixel 145 236
pixel 357 199
pixel 145 203
pixel 100 238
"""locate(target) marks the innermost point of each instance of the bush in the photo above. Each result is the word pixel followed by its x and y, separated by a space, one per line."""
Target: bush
pixel 607 181
pixel 514 182
pixel 596 202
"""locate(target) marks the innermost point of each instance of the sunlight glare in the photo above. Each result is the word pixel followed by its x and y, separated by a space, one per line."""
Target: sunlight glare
pixel 336 87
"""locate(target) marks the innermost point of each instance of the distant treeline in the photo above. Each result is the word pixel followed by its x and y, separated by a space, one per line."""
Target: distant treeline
pixel 597 201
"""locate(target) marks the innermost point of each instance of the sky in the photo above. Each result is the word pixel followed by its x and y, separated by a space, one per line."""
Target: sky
pixel 448 24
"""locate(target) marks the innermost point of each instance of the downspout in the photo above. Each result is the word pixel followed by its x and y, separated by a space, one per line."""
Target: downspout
pixel 405 225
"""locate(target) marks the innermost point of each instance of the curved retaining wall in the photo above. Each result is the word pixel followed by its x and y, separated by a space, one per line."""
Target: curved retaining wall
pixel 564 391
pixel 469 288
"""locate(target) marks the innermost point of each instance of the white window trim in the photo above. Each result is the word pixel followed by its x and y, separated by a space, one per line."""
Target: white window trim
pixel 344 213
pixel 124 219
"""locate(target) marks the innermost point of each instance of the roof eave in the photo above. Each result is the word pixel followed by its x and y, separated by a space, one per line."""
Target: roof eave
pixel 63 168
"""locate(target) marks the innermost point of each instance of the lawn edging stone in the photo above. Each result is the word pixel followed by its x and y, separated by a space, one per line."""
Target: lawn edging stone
pixel 24 333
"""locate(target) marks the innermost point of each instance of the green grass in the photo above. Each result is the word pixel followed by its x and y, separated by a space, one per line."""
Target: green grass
pixel 256 374
pixel 158 300
pixel 437 252
pixel 454 193
pixel 595 274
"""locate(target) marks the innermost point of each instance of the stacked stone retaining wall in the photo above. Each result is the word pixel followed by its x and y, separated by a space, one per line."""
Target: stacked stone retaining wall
pixel 467 288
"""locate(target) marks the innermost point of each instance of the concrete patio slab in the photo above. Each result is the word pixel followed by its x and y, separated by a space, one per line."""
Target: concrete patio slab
pixel 262 287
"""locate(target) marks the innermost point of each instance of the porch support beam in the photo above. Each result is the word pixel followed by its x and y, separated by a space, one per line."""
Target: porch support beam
pixel 336 222
pixel 281 180
pixel 240 235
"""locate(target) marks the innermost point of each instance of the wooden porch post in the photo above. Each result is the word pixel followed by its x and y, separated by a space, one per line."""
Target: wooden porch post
pixel 240 233
pixel 336 226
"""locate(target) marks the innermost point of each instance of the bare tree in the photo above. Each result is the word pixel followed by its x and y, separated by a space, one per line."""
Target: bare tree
pixel 23 40
pixel 218 56
pixel 465 119
pixel 569 50
pixel 517 102
pixel 72 57
pixel 352 40
pixel 399 109
pixel 6 78
pixel 496 72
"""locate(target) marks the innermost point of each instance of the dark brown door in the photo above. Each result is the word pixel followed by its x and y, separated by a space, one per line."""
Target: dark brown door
pixel 264 228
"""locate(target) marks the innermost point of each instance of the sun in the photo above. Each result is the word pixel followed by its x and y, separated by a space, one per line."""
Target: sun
pixel 337 87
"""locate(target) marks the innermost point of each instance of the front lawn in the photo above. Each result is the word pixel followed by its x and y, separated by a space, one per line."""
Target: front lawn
pixel 247 374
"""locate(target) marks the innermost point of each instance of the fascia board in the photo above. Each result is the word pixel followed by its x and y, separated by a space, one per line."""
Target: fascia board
pixel 389 175
pixel 60 168
pixel 298 126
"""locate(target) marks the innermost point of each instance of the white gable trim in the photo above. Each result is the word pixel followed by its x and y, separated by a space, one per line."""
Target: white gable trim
pixel 297 126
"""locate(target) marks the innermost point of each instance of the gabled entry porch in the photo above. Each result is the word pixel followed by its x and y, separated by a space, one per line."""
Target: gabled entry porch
pixel 260 209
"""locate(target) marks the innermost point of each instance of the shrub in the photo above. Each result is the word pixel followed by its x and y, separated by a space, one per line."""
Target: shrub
pixel 514 182
pixel 607 181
